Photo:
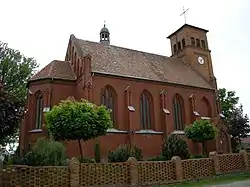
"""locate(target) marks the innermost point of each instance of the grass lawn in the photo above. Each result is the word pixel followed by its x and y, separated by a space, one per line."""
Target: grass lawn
pixel 223 179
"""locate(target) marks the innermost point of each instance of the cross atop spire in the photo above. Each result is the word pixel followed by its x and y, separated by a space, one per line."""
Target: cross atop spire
pixel 184 14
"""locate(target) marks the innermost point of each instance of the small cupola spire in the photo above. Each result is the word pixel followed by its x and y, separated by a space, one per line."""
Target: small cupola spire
pixel 104 35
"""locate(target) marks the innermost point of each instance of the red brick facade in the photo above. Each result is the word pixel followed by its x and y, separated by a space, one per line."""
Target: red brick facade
pixel 83 81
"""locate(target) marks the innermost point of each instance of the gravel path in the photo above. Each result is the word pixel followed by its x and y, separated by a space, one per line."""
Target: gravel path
pixel 245 183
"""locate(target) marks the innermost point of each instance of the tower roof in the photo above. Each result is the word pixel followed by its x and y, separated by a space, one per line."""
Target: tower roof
pixel 187 25
pixel 104 29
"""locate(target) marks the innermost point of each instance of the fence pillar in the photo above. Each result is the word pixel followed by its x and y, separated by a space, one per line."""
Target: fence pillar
pixel 216 165
pixel 178 168
pixel 74 167
pixel 245 159
pixel 133 171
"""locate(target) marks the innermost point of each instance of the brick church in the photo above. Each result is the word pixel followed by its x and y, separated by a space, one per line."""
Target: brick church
pixel 150 96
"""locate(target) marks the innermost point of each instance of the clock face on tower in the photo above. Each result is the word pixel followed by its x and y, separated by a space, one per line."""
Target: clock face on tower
pixel 200 60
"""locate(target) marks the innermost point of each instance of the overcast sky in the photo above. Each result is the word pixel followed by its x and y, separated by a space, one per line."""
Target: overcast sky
pixel 41 29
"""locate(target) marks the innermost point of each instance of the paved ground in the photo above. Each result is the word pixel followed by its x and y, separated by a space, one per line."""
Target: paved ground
pixel 245 183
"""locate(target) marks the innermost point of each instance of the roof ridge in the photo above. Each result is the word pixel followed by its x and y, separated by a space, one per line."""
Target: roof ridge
pixel 50 70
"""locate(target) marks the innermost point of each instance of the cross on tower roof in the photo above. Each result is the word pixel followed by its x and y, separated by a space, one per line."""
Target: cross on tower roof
pixel 184 14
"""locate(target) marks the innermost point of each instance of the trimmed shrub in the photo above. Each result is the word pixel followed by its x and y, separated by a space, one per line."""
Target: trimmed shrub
pixel 45 153
pixel 158 158
pixel 175 146
pixel 123 152
pixel 97 153
pixel 86 160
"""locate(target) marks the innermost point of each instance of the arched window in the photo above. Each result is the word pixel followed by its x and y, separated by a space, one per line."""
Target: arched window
pixel 183 43
pixel 179 115
pixel 203 44
pixel 108 99
pixel 39 110
pixel 206 108
pixel 179 46
pixel 198 44
pixel 145 110
pixel 192 41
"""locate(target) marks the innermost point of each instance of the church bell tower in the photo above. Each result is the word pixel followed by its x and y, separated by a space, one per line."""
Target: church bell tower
pixel 104 36
pixel 190 44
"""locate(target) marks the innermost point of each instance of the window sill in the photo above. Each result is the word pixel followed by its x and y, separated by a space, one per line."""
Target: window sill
pixel 36 130
pixel 147 132
pixel 205 118
pixel 178 132
pixel 116 131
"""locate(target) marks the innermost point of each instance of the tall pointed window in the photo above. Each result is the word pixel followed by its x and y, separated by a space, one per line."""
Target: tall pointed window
pixel 206 108
pixel 39 111
pixel 192 41
pixel 203 44
pixel 109 100
pixel 178 108
pixel 179 45
pixel 198 44
pixel 145 110
pixel 183 43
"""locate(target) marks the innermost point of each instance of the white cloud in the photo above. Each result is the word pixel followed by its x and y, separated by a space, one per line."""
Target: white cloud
pixel 42 28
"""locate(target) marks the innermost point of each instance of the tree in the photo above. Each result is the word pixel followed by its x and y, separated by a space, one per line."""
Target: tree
pixel 237 123
pixel 228 101
pixel 239 127
pixel 11 114
pixel 73 120
pixel 15 71
pixel 201 131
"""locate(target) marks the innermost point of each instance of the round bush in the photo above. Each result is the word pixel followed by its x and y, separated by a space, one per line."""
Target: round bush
pixel 175 146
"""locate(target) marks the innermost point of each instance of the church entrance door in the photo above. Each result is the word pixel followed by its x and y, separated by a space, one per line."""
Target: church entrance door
pixel 223 142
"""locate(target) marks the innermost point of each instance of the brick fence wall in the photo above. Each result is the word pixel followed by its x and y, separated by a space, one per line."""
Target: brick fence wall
pixel 132 172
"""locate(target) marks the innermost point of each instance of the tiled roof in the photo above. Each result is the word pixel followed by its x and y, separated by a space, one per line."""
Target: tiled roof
pixel 128 63
pixel 246 140
pixel 131 63
pixel 56 69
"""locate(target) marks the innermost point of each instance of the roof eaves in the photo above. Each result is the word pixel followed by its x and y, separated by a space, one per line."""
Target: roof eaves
pixel 48 78
pixel 141 78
